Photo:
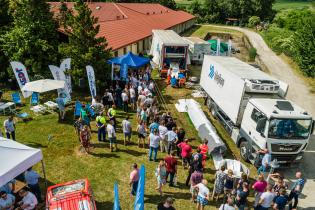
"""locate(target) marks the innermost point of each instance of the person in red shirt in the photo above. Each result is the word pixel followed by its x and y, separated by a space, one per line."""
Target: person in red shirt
pixel 186 152
pixel 204 151
pixel 171 167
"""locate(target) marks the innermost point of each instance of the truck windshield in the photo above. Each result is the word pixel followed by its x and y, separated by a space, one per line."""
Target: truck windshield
pixel 289 128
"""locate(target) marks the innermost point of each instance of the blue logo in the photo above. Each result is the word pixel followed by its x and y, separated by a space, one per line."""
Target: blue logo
pixel 211 71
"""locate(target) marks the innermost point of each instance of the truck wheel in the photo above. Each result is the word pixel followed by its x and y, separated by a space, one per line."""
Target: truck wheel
pixel 243 150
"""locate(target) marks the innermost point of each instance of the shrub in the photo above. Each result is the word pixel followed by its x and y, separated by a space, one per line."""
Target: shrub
pixel 252 53
pixel 253 21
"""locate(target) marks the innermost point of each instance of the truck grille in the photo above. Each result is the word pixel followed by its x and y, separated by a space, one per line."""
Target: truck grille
pixel 284 158
pixel 285 147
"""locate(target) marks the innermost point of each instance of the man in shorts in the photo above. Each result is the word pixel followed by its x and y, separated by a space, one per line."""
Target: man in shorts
pixel 127 129
pixel 203 195
pixel 111 135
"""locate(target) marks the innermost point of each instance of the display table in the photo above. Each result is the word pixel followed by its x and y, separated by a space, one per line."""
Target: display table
pixel 18 186
pixel 6 107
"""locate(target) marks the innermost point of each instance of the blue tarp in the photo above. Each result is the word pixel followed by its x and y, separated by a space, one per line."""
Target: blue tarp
pixel 139 200
pixel 130 59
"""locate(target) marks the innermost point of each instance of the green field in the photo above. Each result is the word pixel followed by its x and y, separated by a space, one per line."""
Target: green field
pixel 279 5
pixel 64 161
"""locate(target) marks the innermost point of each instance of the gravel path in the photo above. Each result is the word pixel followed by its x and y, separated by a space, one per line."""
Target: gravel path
pixel 299 92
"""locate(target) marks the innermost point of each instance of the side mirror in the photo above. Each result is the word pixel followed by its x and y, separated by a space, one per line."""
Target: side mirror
pixel 312 127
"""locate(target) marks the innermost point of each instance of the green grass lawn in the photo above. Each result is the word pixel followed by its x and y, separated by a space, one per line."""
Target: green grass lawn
pixel 64 162
pixel 202 30
pixel 279 5
pixel 287 4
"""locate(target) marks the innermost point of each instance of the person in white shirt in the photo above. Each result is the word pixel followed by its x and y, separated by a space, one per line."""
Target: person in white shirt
pixel 127 129
pixel 9 127
pixel 172 140
pixel 6 201
pixel 203 194
pixel 154 139
pixel 125 99
pixel 265 162
pixel 228 205
pixel 266 198
pixel 133 99
pixel 29 201
pixel 111 135
pixel 163 131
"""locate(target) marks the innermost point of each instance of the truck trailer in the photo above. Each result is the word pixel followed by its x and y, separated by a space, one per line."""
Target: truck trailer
pixel 252 107
pixel 197 49
pixel 169 50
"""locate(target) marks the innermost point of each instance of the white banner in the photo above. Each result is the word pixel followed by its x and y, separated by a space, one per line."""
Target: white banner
pixel 91 79
pixel 58 74
pixel 218 46
pixel 64 66
pixel 21 76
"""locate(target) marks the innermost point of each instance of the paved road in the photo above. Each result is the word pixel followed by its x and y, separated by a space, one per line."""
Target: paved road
pixel 298 93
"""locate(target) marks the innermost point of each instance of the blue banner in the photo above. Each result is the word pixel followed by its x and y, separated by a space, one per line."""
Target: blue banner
pixel 123 71
pixel 139 201
pixel 116 197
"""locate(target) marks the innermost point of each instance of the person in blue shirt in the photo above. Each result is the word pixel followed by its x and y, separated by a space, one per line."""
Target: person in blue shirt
pixel 281 201
pixel 61 106
pixel 265 162
pixel 8 187
pixel 31 178
pixel 173 82
pixel 154 126
pixel 6 201
pixel 296 190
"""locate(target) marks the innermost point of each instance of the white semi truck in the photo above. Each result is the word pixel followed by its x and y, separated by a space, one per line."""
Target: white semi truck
pixel 251 106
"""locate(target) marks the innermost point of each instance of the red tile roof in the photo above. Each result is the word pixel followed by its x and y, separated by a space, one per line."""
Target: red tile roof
pixel 125 23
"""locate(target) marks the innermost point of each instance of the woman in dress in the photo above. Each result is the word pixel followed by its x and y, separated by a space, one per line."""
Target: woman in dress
pixel 85 137
pixel 219 182
pixel 161 176
pixel 141 130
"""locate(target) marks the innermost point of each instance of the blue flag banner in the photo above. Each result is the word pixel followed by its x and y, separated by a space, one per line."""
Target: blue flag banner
pixel 123 71
pixel 139 201
pixel 116 197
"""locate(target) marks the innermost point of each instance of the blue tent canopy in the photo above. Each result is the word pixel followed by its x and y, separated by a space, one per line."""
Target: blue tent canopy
pixel 130 59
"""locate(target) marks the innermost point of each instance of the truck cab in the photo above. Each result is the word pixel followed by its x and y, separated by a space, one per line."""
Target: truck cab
pixel 73 195
pixel 277 125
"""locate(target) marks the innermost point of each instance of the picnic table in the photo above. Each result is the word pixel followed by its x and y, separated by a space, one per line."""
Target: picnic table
pixel 6 107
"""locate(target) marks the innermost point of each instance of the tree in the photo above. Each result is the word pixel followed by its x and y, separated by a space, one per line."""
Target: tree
pixel 5 24
pixel 253 21
pixel 264 9
pixel 84 47
pixel 33 38
pixel 304 45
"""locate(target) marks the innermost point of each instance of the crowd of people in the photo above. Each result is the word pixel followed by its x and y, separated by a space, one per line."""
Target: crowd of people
pixel 159 133
pixel 26 198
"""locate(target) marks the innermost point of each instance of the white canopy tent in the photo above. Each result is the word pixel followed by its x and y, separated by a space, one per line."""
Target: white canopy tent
pixel 43 85
pixel 16 159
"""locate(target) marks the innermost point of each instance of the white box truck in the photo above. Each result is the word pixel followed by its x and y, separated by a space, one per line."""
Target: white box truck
pixel 169 50
pixel 251 106
pixel 197 49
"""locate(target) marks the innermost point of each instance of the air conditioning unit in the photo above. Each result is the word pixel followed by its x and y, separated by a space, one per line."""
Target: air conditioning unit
pixel 262 86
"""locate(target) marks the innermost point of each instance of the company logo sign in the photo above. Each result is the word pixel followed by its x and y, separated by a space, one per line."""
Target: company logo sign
pixel 21 76
pixel 216 76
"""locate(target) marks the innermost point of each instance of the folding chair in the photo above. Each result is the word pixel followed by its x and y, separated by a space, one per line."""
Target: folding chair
pixel 77 109
pixel 16 98
pixel 34 99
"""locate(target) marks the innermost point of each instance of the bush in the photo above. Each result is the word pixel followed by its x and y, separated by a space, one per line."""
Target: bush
pixel 253 21
pixel 252 53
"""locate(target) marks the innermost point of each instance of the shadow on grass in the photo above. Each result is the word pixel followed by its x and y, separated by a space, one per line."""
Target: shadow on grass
pixel 132 152
pixel 155 199
pixel 105 155
pixel 37 145
pixel 104 205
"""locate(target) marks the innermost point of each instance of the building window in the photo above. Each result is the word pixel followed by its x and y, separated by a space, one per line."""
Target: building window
pixel 125 50
pixel 116 53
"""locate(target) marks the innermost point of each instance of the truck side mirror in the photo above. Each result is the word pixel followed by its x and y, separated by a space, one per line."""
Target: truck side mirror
pixel 260 127
pixel 313 126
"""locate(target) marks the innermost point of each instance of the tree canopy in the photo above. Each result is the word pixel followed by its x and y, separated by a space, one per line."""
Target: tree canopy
pixel 84 47
pixel 33 37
